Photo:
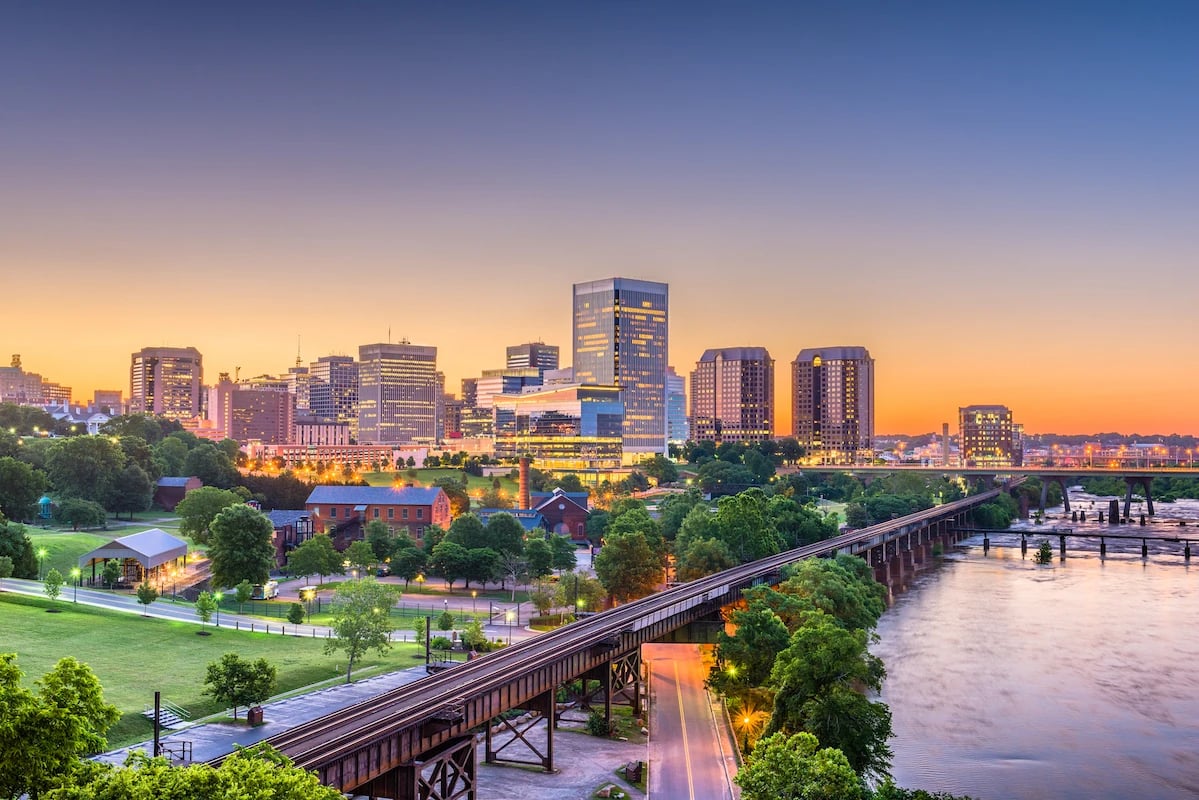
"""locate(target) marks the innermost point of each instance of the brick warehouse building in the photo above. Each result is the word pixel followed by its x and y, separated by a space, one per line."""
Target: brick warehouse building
pixel 343 511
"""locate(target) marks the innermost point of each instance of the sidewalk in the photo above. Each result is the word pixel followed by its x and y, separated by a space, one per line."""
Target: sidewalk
pixel 213 739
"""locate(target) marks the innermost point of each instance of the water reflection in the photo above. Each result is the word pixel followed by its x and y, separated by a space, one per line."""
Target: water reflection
pixel 1074 680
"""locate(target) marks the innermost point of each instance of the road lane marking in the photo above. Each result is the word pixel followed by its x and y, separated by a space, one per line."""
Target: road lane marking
pixel 678 690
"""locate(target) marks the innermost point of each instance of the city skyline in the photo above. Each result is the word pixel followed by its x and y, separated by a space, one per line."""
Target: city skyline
pixel 993 229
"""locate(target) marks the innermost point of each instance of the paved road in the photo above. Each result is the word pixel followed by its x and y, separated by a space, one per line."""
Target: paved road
pixel 689 750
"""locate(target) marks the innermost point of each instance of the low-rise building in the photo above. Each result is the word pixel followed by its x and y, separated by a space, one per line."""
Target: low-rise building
pixel 343 511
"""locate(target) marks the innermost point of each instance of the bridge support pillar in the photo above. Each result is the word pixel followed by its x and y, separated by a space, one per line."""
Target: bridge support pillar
pixel 1129 483
pixel 447 773
pixel 1146 484
pixel 544 709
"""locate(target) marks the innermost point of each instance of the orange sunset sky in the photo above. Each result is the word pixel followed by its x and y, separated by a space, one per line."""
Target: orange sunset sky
pixel 994 230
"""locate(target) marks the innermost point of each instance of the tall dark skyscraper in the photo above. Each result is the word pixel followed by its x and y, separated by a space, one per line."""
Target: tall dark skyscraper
pixel 620 339
pixel 533 354
pixel 832 402
pixel 166 381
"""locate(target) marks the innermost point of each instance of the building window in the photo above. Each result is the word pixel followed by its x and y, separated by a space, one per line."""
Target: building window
pixel 420 513
pixel 376 513
pixel 403 513
pixel 333 512
pixel 391 513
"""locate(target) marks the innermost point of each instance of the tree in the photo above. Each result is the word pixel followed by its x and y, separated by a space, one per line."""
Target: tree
pixel 842 587
pixel 238 681
pixel 814 678
pixel 43 735
pixel 445 621
pixel 360 555
pixel 721 477
pixel 295 614
pixel 704 557
pixel 53 583
pixel 20 487
pixel 379 539
pixel 131 491
pixel 256 771
pixel 6 568
pixel 455 490
pixel 482 565
pixel 505 534
pixel 468 531
pixel 661 469
pixel 15 544
pixel 473 635
pixel 206 605
pixel 79 513
pixel 241 546
pixel 563 550
pixel 495 498
pixel 361 621
pixel 449 560
pixel 543 600
pixel 242 593
pixel 146 594
pixel 743 523
pixel 408 563
pixel 540 558
pixel 199 508
pixel 84 466
pixel 111 574
pixel 513 567
pixel 169 456
pixel 783 766
pixel 750 652
pixel 315 556
pixel 211 465
pixel 580 586
pixel 420 628
pixel 627 566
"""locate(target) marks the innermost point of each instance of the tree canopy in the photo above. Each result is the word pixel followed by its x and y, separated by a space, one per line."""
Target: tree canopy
pixel 239 682
pixel 361 621
pixel 627 566
pixel 241 546
pixel 783 767
pixel 199 508
pixel 315 556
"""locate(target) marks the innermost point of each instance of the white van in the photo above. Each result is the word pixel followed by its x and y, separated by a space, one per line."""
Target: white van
pixel 265 591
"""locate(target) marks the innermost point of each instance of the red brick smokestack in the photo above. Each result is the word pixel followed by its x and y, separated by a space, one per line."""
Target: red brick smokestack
pixel 524 500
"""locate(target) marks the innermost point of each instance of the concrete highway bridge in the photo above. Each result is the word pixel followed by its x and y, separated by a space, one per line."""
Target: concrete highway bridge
pixel 418 741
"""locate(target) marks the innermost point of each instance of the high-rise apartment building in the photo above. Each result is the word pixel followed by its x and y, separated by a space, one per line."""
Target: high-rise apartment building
pixel 333 390
pixel 398 393
pixel 167 382
pixel 259 414
pixel 732 395
pixel 986 436
pixel 537 355
pixel 678 429
pixel 620 339
pixel 832 402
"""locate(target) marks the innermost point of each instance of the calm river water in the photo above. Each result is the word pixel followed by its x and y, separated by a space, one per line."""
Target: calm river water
pixel 1080 680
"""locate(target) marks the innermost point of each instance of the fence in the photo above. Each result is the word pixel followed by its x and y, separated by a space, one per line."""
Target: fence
pixel 491 611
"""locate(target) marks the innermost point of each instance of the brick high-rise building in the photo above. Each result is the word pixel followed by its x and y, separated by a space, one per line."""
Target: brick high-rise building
pixel 732 395
pixel 832 402
pixel 986 436
pixel 167 382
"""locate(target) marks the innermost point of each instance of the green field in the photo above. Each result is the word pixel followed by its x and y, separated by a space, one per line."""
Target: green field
pixel 63 548
pixel 133 656
pixel 427 476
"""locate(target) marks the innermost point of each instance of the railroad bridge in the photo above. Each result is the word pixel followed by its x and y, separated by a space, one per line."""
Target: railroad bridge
pixel 418 741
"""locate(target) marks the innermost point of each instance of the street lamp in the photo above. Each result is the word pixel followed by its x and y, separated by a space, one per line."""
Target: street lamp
pixel 474 593
pixel 307 595
pixel 508 615
pixel 217 596
pixel 745 733
pixel 41 554
pixel 75 575
pixel 420 583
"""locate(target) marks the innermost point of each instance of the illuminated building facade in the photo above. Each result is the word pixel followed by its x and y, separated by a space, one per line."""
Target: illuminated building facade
pixel 398 393
pixel 987 436
pixel 333 389
pixel 564 428
pixel 732 395
pixel 620 339
pixel 832 403
pixel 166 382
pixel 678 428
pixel 536 355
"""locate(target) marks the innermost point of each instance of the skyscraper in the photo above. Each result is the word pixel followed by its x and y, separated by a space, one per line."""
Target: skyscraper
pixel 620 339
pixel 832 402
pixel 987 436
pixel 398 393
pixel 333 390
pixel 732 395
pixel 533 354
pixel 166 381
pixel 678 429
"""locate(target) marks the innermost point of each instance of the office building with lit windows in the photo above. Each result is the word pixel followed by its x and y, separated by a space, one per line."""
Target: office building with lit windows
pixel 832 403
pixel 732 395
pixel 620 339
pixel 398 393
pixel 333 390
pixel 987 437
pixel 535 355
pixel 678 428
pixel 167 382
pixel 563 428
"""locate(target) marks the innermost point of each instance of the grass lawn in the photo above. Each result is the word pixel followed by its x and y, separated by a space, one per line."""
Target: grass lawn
pixel 427 476
pixel 64 549
pixel 133 656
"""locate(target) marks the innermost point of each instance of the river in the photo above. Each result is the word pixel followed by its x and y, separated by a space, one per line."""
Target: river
pixel 1077 680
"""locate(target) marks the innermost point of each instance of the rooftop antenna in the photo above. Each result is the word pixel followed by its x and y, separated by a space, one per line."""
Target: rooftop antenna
pixel 298 360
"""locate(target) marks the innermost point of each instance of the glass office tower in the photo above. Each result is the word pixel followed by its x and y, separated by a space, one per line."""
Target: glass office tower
pixel 620 339
pixel 398 393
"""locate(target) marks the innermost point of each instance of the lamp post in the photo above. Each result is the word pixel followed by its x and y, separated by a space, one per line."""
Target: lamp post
pixel 41 555
pixel 217 596
pixel 75 576
pixel 420 583
pixel 474 593
pixel 308 594
pixel 745 734
pixel 508 615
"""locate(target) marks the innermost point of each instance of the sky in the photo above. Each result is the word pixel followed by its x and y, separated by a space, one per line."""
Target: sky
pixel 997 199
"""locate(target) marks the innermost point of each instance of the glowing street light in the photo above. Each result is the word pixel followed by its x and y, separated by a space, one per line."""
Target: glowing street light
pixel 509 616
pixel 217 596
pixel 307 595
pixel 473 594
pixel 41 554
pixel 75 573
pixel 420 583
